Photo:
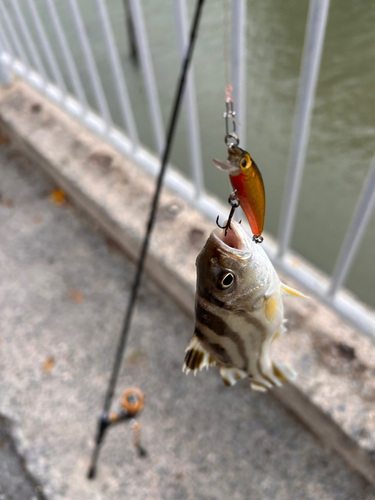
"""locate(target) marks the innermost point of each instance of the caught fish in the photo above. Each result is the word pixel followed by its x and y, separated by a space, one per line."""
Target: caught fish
pixel 238 312
pixel 245 176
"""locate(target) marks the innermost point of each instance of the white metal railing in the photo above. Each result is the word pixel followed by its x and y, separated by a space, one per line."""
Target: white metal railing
pixel 316 24
pixel 14 59
pixel 191 102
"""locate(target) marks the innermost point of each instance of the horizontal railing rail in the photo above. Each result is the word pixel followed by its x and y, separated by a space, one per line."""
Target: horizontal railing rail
pixel 19 55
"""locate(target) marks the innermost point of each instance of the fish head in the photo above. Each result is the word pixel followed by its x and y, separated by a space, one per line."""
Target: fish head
pixel 239 161
pixel 223 265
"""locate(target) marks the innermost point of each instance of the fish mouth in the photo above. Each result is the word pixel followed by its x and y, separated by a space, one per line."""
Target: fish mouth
pixel 234 242
pixel 228 167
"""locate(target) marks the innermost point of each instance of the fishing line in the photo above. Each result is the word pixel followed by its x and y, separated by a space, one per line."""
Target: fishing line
pixel 226 42
pixel 133 295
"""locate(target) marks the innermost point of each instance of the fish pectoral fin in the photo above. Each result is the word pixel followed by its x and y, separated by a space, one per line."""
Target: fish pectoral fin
pixel 196 357
pixel 283 372
pixel 231 376
pixel 288 290
pixel 270 307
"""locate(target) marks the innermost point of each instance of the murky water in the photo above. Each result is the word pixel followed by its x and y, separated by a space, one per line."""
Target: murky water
pixel 342 137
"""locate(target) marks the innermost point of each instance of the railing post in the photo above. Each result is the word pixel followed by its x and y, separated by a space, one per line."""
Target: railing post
pixel 29 41
pixel 355 231
pixel 67 55
pixel 20 51
pixel 312 52
pixel 118 76
pixel 6 76
pixel 45 45
pixel 92 69
pixel 148 73
pixel 192 118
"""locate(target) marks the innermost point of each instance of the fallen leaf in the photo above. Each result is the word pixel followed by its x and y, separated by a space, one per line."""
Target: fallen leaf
pixel 48 364
pixel 4 141
pixel 135 357
pixel 6 202
pixel 37 219
pixel 76 296
pixel 57 197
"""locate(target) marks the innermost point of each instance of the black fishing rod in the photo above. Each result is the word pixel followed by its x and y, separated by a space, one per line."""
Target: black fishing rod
pixel 103 419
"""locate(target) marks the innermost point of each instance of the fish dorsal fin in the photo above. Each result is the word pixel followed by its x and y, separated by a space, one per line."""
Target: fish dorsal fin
pixel 196 357
pixel 288 290
pixel 270 307
pixel 231 375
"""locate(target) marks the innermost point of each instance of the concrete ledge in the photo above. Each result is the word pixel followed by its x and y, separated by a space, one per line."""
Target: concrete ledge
pixel 335 392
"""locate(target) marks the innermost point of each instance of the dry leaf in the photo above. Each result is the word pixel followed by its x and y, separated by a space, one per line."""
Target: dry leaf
pixel 37 219
pixel 48 364
pixel 135 357
pixel 6 202
pixel 76 296
pixel 4 141
pixel 57 197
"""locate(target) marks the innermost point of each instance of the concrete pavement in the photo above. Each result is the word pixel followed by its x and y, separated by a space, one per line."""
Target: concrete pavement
pixel 63 292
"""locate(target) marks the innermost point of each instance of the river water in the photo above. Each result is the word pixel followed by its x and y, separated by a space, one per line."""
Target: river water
pixel 343 126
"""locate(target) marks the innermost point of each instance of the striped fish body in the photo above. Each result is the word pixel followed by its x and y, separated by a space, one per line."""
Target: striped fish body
pixel 239 311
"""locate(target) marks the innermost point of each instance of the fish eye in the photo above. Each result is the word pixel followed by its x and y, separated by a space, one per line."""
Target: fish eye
pixel 226 281
pixel 243 162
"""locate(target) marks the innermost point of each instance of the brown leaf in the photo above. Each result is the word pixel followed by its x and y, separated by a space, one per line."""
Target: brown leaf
pixel 37 219
pixel 4 141
pixel 75 295
pixel 6 202
pixel 48 364
pixel 57 197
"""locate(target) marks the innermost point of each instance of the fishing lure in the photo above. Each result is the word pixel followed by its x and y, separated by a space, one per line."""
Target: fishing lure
pixel 246 178
pixel 238 312
pixel 244 174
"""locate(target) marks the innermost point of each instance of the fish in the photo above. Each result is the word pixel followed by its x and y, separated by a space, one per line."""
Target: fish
pixel 247 179
pixel 238 311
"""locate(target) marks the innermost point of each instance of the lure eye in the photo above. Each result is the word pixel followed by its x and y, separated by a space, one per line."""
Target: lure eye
pixel 243 162
pixel 226 281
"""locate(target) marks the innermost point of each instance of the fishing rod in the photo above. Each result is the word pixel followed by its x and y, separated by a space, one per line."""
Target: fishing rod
pixel 104 419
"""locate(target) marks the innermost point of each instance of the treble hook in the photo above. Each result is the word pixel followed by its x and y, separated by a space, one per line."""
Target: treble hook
pixel 234 203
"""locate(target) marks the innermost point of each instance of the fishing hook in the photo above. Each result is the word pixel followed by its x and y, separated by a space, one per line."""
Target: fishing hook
pixel 234 203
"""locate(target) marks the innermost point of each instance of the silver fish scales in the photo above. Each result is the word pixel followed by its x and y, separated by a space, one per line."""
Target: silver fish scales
pixel 239 311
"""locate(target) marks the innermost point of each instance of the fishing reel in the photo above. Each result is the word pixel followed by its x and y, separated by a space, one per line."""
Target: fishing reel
pixel 132 401
pixel 130 404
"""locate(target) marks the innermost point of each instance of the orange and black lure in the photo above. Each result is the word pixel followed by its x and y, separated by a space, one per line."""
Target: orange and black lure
pixel 246 178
